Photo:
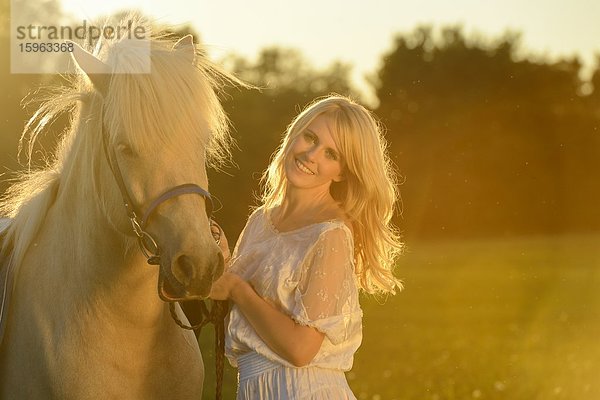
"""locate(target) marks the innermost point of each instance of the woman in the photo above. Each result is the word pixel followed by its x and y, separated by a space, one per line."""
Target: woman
pixel 322 234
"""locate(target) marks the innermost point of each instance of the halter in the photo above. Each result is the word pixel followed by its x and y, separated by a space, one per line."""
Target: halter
pixel 147 244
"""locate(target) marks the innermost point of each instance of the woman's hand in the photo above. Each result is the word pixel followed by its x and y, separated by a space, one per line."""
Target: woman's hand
pixel 226 286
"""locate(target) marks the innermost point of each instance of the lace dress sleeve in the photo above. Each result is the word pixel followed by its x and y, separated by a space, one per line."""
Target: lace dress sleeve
pixel 327 295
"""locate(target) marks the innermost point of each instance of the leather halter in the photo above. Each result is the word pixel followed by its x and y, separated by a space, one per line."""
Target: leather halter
pixel 147 244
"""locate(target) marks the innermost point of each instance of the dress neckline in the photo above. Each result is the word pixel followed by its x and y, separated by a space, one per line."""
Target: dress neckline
pixel 267 213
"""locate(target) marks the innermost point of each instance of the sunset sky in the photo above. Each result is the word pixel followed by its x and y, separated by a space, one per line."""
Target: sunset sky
pixel 359 32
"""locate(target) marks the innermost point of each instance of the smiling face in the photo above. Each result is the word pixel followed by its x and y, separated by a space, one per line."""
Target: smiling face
pixel 313 159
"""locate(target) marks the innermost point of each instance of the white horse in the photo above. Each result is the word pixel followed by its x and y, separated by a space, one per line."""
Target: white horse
pixel 85 320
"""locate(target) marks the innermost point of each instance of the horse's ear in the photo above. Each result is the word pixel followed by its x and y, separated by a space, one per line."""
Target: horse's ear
pixel 186 45
pixel 94 68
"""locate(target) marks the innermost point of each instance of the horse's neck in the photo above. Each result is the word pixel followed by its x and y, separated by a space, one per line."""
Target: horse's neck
pixel 96 269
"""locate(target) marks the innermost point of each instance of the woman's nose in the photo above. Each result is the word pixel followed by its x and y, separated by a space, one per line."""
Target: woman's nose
pixel 311 154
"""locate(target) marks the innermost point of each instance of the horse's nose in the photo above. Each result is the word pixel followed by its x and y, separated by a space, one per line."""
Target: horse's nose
pixel 184 269
pixel 196 274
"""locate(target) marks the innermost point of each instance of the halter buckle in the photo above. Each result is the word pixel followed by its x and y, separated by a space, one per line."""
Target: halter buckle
pixel 135 224
pixel 147 244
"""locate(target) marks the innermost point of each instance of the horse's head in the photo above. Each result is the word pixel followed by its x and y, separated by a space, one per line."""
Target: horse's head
pixel 158 129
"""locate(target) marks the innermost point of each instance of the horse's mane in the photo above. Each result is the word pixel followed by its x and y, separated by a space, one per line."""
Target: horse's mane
pixel 136 103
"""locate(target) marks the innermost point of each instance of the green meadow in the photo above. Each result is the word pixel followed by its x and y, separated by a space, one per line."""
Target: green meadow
pixel 516 318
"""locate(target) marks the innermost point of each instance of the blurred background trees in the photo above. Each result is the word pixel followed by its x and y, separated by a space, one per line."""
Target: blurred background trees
pixel 487 143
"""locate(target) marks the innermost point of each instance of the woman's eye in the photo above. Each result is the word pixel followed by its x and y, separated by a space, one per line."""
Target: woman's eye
pixel 309 138
pixel 331 155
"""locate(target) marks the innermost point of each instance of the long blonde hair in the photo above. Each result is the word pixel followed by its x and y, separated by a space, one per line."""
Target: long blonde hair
pixel 368 193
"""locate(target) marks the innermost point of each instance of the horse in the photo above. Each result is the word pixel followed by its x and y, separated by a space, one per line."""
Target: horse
pixel 85 320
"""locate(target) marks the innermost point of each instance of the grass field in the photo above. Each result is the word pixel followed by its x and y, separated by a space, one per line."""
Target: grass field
pixel 490 319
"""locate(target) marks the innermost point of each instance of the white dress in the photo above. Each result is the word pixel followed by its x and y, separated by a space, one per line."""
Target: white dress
pixel 308 273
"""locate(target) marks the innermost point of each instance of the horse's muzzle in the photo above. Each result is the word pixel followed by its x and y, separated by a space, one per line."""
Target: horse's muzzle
pixel 188 278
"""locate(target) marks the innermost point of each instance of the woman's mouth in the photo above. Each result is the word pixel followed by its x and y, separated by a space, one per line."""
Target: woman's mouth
pixel 303 168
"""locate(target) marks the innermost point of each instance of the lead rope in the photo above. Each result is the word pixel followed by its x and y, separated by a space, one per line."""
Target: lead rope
pixel 216 315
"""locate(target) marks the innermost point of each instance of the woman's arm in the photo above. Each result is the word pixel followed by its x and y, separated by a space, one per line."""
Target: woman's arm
pixel 295 343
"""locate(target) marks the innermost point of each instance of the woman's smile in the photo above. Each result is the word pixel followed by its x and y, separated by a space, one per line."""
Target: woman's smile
pixel 303 167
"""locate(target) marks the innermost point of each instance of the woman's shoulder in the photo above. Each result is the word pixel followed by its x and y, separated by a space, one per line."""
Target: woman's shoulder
pixel 254 225
pixel 341 222
pixel 256 214
pixel 340 217
pixel 336 230
pixel 256 210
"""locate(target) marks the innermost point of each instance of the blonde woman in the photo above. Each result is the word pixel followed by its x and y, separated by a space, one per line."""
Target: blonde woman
pixel 322 234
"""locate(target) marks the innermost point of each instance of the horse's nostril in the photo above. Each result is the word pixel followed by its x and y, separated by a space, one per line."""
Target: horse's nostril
pixel 184 270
